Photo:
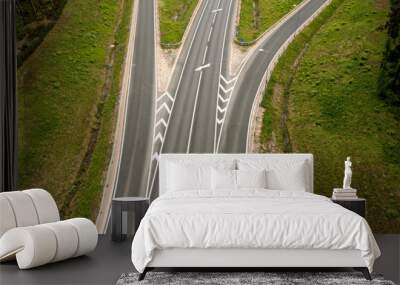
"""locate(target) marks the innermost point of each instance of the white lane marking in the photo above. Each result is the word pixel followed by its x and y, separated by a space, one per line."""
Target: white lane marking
pixel 220 69
pixel 226 90
pixel 223 99
pixel 216 10
pixel 176 91
pixel 165 106
pixel 194 112
pixel 261 50
pixel 165 94
pixel 159 137
pixel 227 82
pixel 200 68
pixel 209 35
pixel 222 110
pixel 197 97
pixel 162 122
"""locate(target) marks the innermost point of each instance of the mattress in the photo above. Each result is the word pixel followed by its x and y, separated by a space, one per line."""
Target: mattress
pixel 250 219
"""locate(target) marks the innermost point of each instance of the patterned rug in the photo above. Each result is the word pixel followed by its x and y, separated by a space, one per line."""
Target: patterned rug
pixel 243 278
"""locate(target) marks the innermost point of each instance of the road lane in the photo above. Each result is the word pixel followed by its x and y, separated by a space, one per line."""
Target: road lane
pixel 136 150
pixel 235 129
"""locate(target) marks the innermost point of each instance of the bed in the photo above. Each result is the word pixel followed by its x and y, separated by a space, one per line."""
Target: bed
pixel 247 210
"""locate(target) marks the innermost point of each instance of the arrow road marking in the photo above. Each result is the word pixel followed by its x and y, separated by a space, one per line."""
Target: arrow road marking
pixel 203 67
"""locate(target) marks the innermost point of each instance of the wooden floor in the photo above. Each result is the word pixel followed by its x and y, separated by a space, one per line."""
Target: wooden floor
pixel 110 260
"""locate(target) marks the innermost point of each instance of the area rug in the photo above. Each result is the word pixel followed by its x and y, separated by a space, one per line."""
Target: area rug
pixel 269 278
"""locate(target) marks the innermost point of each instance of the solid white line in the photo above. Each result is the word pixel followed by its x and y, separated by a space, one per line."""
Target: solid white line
pixel 220 72
pixel 196 99
pixel 194 112
pixel 260 43
pixel 155 22
pixel 178 86
pixel 272 63
pixel 209 35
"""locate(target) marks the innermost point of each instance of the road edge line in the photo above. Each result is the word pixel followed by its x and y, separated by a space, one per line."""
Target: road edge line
pixel 268 73
pixel 119 134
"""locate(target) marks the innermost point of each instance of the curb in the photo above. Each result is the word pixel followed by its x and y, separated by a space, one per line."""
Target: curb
pixel 267 75
pixel 113 168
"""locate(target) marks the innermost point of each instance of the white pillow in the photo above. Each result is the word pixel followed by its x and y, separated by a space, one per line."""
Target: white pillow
pixel 281 174
pixel 223 179
pixel 251 178
pixel 188 177
pixel 287 178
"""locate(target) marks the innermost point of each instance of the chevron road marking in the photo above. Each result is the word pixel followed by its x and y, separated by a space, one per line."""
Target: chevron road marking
pixel 228 81
pixel 159 137
pixel 223 99
pixel 226 90
pixel 165 106
pixel 161 121
pixel 165 94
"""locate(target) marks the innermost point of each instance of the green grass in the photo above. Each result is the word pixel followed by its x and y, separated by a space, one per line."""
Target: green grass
pixel 59 89
pixel 334 109
pixel 174 17
pixel 256 16
pixel 87 200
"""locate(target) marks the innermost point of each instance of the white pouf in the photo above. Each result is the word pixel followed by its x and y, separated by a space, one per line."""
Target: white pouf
pixel 31 232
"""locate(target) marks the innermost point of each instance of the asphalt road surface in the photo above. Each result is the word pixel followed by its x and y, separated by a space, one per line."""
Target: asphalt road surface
pixel 234 132
pixel 204 109
pixel 136 151
pixel 196 80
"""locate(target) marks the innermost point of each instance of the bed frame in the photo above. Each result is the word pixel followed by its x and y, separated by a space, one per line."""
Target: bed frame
pixel 242 259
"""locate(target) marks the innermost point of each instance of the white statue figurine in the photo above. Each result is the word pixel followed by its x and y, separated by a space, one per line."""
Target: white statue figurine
pixel 347 174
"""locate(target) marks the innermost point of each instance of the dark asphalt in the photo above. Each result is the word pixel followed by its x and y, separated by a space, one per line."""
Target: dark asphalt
pixel 186 119
pixel 234 132
pixel 136 151
pixel 192 123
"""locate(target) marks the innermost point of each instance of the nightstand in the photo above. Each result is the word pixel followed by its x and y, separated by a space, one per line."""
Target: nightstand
pixel 357 205
pixel 137 205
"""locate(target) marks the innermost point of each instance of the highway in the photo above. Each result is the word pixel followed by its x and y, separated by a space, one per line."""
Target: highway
pixel 133 169
pixel 186 116
pixel 235 129
pixel 204 108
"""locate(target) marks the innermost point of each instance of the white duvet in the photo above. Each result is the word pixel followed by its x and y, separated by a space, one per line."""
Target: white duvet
pixel 250 218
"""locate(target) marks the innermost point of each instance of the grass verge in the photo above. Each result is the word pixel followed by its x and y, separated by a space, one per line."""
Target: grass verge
pixel 333 106
pixel 60 91
pixel 256 16
pixel 174 16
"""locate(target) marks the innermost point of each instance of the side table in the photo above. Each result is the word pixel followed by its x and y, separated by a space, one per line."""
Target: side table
pixel 137 205
pixel 357 205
